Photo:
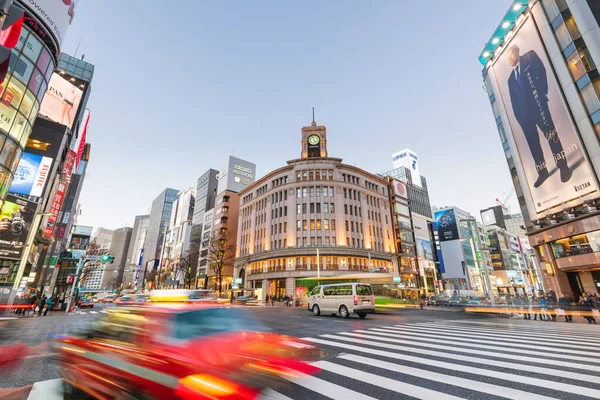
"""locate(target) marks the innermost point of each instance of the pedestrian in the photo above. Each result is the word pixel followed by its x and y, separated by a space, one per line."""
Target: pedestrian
pixel 49 304
pixel 526 304
pixel 42 305
pixel 588 309
pixel 267 299
pixel 552 303
pixel 535 307
pixel 565 303
pixel 272 301
pixel 544 315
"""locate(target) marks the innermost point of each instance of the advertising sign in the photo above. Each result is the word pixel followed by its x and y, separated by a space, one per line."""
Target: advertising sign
pixel 408 158
pixel 16 216
pixel 400 189
pixel 424 250
pixel 82 139
pixel 61 102
pixel 235 175
pixel 57 201
pixel 420 227
pixel 546 139
pixel 68 167
pixel 445 221
pixel 56 14
pixel 31 175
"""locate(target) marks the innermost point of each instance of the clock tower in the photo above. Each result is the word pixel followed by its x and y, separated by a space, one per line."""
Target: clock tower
pixel 314 140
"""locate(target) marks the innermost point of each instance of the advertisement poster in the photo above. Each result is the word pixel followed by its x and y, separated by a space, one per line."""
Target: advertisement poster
pixel 55 209
pixel 61 102
pixel 16 216
pixel 400 189
pixel 445 221
pixel 68 167
pixel 424 250
pixel 546 138
pixel 31 175
pixel 82 139
pixel 56 14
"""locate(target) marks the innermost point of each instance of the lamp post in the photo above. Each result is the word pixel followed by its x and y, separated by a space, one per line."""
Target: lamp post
pixel 318 265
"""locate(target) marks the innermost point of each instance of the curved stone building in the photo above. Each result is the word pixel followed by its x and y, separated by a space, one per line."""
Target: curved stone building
pixel 316 216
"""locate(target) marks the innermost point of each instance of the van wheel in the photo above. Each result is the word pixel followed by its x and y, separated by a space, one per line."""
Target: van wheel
pixel 361 315
pixel 344 312
pixel 316 310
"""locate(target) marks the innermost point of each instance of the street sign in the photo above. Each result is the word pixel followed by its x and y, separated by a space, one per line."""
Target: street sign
pixel 93 258
pixel 234 286
pixel 237 280
pixel 396 279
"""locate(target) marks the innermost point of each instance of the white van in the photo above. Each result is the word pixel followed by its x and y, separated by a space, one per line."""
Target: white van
pixel 342 298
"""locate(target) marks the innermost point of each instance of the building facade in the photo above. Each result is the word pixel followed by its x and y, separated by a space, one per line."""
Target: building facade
pixel 551 46
pixel 119 247
pixel 133 268
pixel 177 241
pixel 206 191
pixel 314 216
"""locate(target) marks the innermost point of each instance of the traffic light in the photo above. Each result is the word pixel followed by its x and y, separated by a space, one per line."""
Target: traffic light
pixel 107 258
pixel 9 33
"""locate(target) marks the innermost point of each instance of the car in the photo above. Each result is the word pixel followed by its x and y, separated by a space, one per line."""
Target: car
pixel 125 300
pixel 342 298
pixel 110 298
pixel 85 302
pixel 457 301
pixel 183 351
pixel 438 300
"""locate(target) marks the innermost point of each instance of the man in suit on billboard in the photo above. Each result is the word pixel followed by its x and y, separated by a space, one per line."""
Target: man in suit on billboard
pixel 528 88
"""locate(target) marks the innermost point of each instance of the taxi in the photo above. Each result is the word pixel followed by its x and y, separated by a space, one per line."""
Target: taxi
pixel 180 351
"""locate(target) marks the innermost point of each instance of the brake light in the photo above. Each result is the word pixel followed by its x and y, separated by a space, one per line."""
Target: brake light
pixel 355 300
pixel 205 386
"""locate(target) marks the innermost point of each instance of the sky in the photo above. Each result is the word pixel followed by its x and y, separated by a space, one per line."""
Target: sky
pixel 179 86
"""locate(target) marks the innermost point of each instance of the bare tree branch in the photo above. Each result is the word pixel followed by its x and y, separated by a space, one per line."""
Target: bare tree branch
pixel 221 253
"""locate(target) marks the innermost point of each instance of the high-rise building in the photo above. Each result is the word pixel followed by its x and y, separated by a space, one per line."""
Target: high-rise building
pixel 206 191
pixel 134 267
pixel 176 251
pixel 314 216
pixel 160 215
pixel 119 247
pixel 541 80
pixel 102 237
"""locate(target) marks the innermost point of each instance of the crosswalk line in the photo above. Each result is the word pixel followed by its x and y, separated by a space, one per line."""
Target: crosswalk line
pixel 328 389
pixel 93 312
pixel 386 383
pixel 520 334
pixel 270 394
pixel 532 327
pixel 414 348
pixel 104 311
pixel 47 390
pixel 524 323
pixel 477 386
pixel 469 369
pixel 460 341
pixel 496 337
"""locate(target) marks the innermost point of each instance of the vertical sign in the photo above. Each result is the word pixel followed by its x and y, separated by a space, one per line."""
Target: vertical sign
pixel 55 209
pixel 68 166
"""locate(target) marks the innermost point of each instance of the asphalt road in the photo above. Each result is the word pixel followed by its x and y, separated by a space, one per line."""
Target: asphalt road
pixel 410 353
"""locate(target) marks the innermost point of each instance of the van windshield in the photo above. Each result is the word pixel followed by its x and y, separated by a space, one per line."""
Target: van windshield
pixel 364 290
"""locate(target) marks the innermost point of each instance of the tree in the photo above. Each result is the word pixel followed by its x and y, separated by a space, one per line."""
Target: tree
pixel 221 253
pixel 187 266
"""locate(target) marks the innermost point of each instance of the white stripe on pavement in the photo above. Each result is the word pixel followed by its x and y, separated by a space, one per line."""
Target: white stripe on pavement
pixel 104 311
pixel 93 312
pixel 478 386
pixel 530 328
pixel 517 334
pixel 328 389
pixel 468 321
pixel 496 337
pixel 386 383
pixel 472 370
pixel 414 349
pixel 516 347
pixel 47 390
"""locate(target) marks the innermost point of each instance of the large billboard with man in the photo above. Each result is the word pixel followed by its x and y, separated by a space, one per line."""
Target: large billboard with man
pixel 546 139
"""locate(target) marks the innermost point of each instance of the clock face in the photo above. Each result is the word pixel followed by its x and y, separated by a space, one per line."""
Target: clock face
pixel 314 140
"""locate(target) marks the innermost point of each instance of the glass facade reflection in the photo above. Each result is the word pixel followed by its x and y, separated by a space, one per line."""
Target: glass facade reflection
pixel 31 66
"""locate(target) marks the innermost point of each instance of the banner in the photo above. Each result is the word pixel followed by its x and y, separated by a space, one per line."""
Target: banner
pixel 55 209
pixel 82 139
pixel 31 175
pixel 61 102
pixel 67 170
pixel 445 221
pixel 16 217
pixel 546 139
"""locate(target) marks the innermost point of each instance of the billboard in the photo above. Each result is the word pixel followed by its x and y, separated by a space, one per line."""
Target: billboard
pixel 545 137
pixel 408 158
pixel 16 216
pixel 445 222
pixel 235 175
pixel 61 102
pixel 400 189
pixel 55 14
pixel 31 175
pixel 420 227
pixel 424 250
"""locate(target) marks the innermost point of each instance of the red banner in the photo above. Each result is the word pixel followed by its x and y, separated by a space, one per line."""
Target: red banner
pixel 67 170
pixel 83 139
pixel 55 208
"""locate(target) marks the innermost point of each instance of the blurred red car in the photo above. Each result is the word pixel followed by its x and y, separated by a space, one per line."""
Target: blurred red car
pixel 82 303
pixel 180 352
pixel 130 300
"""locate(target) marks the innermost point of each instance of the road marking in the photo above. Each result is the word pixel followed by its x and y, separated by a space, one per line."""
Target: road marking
pixel 478 386
pixel 414 349
pixel 47 390
pixel 471 370
pixel 482 344
pixel 386 383
pixel 329 389
pixel 496 338
pixel 270 394
pixel 104 311
pixel 93 312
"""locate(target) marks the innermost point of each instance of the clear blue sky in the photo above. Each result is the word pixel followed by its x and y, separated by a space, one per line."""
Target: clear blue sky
pixel 179 86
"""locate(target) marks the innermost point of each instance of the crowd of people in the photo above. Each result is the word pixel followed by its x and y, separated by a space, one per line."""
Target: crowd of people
pixel 30 304
pixel 548 307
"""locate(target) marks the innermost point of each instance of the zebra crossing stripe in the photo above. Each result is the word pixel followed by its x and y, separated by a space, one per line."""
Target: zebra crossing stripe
pixel 328 389
pixel 414 348
pixel 386 383
pixel 463 368
pixel 270 394
pixel 521 332
pixel 515 334
pixel 93 312
pixel 460 341
pixel 47 390
pixel 478 386
pixel 526 323
pixel 496 337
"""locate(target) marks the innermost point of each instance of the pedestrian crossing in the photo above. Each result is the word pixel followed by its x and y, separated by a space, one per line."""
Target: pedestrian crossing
pixel 462 359
pixel 455 360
